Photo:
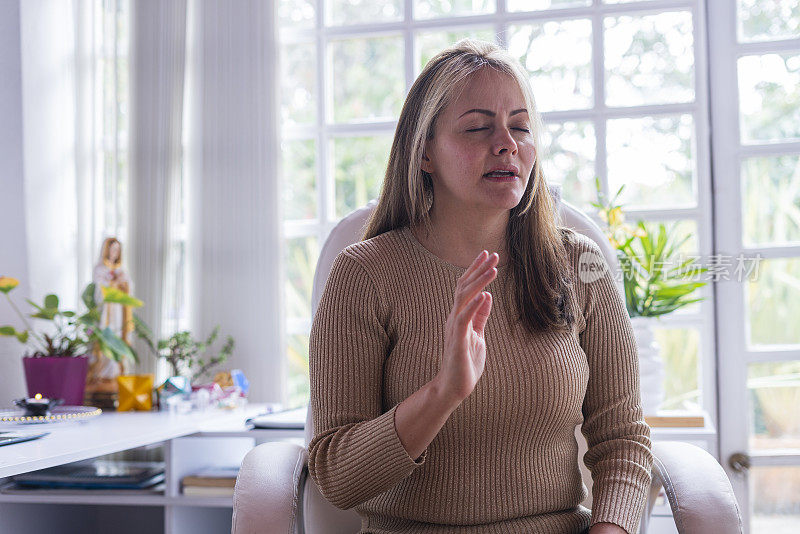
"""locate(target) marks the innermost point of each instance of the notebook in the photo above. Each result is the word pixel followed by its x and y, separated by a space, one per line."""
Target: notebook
pixel 293 419
pixel 105 474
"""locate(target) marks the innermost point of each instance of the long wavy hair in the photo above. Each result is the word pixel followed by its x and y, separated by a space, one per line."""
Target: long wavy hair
pixel 535 243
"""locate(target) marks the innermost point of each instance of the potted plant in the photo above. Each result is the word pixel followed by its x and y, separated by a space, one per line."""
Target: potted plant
pixel 57 363
pixel 657 280
pixel 186 356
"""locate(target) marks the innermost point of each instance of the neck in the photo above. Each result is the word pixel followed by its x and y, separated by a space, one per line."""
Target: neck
pixel 459 235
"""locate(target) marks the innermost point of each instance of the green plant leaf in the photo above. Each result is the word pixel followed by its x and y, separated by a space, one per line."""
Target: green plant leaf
pixel 88 296
pixel 44 314
pixel 117 296
pixel 118 348
pixel 144 332
pixel 68 314
pixel 22 337
pixel 51 302
pixel 7 331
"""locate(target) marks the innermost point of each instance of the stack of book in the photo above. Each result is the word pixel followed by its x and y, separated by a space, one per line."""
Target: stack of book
pixel 111 475
pixel 211 482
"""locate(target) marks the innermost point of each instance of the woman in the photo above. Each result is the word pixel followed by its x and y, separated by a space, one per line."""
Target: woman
pixel 456 348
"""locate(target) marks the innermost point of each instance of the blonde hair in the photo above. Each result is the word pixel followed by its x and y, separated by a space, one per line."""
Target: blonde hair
pixel 535 243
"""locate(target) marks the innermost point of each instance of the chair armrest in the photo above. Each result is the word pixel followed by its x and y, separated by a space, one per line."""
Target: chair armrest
pixel 697 487
pixel 269 489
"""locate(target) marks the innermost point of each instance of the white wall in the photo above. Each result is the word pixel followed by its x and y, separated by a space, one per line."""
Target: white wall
pixel 13 252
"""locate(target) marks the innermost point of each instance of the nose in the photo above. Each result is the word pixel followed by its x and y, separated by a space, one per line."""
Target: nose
pixel 503 142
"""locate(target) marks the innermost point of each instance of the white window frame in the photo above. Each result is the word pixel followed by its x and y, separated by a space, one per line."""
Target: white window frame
pixel 731 305
pixel 323 132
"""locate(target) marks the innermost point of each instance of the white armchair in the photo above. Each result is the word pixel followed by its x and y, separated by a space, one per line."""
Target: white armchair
pixel 274 493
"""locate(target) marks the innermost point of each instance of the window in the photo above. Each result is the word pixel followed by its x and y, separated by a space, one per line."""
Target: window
pixel 625 101
pixel 111 21
pixel 111 24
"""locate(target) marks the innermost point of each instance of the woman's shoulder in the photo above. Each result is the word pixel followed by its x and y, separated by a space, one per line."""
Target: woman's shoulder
pixel 577 243
pixel 378 253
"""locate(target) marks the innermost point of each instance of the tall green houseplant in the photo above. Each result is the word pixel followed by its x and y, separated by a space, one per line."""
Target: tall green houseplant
pixel 655 278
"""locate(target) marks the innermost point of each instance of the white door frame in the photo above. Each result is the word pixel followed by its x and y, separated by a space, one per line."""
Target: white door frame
pixel 733 353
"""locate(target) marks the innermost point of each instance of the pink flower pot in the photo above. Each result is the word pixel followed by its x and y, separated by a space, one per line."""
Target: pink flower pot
pixel 57 378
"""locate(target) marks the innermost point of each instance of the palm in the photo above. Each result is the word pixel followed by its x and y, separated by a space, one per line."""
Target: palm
pixel 476 349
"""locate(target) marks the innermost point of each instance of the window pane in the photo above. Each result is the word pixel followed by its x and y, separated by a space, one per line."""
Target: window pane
pixel 771 200
pixel 569 153
pixel 298 187
pixel 649 59
pixel 296 13
pixel 432 42
pixel 360 166
pixel 537 5
pixel 341 12
pixel 764 20
pixel 560 81
pixel 298 383
pixel 368 78
pixel 680 348
pixel 122 96
pixel 301 260
pixel 654 158
pixel 774 395
pixel 769 96
pixel 298 83
pixel 774 303
pixel 775 494
pixel 426 9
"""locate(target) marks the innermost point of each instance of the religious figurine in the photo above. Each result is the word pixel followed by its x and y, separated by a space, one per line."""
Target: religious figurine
pixel 101 381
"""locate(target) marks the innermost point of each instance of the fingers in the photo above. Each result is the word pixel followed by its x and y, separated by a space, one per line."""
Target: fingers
pixel 488 261
pixel 482 313
pixel 467 292
pixel 466 315
pixel 475 264
pixel 476 277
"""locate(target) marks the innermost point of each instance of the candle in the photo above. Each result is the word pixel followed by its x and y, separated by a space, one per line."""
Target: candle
pixel 37 405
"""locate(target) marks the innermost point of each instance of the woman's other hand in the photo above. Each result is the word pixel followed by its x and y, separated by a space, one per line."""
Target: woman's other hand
pixel 465 347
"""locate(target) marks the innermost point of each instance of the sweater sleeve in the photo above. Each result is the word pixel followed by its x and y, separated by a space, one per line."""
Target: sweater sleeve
pixel 356 453
pixel 619 447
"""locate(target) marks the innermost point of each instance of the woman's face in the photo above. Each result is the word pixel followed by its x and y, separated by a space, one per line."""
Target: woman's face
pixel 486 129
pixel 113 251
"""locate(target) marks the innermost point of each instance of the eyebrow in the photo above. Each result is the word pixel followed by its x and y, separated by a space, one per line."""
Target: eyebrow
pixel 492 113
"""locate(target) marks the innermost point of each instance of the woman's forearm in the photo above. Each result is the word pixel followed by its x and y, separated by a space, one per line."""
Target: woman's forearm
pixel 419 418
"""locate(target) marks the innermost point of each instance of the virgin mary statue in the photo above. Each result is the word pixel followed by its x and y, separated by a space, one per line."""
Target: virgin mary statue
pixel 101 382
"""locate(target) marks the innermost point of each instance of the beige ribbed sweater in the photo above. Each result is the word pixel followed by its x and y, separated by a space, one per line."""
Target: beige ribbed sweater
pixel 506 461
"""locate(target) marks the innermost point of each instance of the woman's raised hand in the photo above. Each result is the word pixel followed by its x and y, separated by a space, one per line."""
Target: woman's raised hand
pixel 464 345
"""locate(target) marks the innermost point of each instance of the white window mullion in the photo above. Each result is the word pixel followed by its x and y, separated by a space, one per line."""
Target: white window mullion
pixel 599 110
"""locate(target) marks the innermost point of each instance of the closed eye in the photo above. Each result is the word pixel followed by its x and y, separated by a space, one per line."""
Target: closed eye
pixel 484 128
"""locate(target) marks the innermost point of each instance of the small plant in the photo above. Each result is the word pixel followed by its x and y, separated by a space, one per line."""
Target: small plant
pixel 184 354
pixel 74 334
pixel 655 283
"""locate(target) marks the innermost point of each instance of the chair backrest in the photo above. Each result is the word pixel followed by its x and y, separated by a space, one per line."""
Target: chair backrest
pixel 318 515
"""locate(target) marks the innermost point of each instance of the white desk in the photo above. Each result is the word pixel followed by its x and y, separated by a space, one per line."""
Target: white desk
pixel 190 442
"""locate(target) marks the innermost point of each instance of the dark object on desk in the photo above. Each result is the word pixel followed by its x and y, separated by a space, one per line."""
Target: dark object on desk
pixel 37 406
pixel 293 419
pixel 96 474
pixel 7 438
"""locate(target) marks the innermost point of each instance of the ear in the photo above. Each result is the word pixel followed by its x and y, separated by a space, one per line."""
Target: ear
pixel 426 163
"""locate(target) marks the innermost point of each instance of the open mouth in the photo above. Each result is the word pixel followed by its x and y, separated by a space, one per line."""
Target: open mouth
pixel 500 175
